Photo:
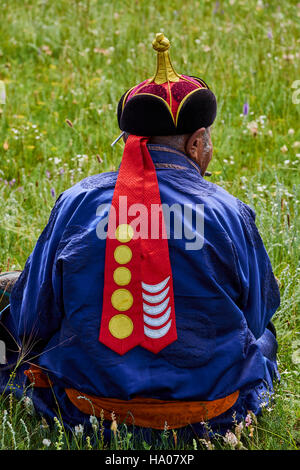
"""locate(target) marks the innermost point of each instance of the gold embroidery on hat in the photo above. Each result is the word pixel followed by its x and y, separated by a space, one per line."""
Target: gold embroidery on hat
pixel 126 96
pixel 193 83
pixel 137 91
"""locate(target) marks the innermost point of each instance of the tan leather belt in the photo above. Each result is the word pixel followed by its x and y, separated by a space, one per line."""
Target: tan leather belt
pixel 144 412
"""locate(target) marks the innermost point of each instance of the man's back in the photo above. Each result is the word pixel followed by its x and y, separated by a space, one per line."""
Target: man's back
pixel 225 293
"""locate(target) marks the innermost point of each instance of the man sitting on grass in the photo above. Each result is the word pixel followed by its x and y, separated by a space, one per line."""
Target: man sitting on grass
pixel 149 293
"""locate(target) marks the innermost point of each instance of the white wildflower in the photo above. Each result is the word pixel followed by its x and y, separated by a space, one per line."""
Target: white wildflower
pixel 26 432
pixel 13 434
pixel 79 430
pixel 3 427
pixel 230 439
pixel 46 442
pixel 253 128
pixel 263 404
pixel 28 403
pixel 94 422
pixel 208 444
pixel 240 427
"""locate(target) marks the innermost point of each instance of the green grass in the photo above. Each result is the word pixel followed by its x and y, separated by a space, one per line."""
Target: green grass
pixel 73 60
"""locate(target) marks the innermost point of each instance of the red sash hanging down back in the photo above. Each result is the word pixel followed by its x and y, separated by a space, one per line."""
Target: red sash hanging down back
pixel 138 298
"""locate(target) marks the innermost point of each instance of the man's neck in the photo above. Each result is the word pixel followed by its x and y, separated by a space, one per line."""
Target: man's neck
pixel 161 146
pixel 177 142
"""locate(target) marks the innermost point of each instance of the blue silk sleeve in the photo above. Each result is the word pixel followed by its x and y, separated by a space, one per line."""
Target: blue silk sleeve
pixel 35 305
pixel 260 297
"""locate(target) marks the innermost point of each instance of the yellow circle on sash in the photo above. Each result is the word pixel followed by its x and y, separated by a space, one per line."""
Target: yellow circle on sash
pixel 124 233
pixel 122 276
pixel 122 254
pixel 120 326
pixel 121 299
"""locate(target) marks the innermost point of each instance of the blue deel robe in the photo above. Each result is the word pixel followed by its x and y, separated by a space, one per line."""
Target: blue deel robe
pixel 225 296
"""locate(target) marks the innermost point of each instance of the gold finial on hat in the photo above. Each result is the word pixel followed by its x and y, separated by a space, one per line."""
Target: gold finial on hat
pixel 164 70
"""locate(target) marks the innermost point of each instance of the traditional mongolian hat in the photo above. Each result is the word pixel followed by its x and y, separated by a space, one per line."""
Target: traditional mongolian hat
pixel 138 299
pixel 167 103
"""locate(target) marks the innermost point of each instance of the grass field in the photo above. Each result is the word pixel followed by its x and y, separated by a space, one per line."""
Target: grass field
pixel 63 60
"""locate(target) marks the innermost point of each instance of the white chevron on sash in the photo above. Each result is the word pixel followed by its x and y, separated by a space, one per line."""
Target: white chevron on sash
pixel 156 309
pixel 157 333
pixel 153 298
pixel 158 321
pixel 155 287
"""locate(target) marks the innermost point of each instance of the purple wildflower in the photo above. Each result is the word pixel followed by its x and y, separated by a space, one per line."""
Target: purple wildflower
pixel 12 182
pixel 270 34
pixel 53 192
pixel 48 174
pixel 246 109
pixel 217 5
pixel 248 420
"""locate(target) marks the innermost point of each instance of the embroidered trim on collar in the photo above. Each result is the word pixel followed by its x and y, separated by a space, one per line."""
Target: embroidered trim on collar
pixel 169 165
pixel 164 148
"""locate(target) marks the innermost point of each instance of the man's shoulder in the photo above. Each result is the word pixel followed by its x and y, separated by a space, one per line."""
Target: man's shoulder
pixel 234 215
pixel 226 202
pixel 92 182
pixel 74 197
pixel 76 202
pixel 237 214
pixel 101 180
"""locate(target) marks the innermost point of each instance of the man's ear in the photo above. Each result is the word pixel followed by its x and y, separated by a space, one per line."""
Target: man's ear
pixel 195 143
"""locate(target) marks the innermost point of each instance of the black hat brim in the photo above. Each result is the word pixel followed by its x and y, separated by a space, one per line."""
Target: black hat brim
pixel 146 114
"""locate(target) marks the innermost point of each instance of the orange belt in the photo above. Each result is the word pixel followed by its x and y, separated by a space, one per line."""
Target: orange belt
pixel 144 412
